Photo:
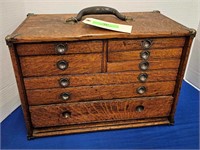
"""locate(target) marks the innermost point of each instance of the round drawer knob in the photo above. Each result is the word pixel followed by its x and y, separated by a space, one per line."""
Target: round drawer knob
pixel 141 90
pixel 66 114
pixel 143 77
pixel 139 108
pixel 145 55
pixel 61 48
pixel 64 82
pixel 62 64
pixel 65 96
pixel 146 44
pixel 144 65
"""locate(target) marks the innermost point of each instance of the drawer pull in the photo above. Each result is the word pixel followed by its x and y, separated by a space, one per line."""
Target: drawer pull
pixel 66 114
pixel 146 44
pixel 142 77
pixel 61 48
pixel 145 55
pixel 65 96
pixel 141 90
pixel 64 82
pixel 144 65
pixel 139 108
pixel 62 64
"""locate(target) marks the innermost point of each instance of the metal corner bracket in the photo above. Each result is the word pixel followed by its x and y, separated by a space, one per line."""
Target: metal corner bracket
pixel 30 14
pixel 156 11
pixel 192 32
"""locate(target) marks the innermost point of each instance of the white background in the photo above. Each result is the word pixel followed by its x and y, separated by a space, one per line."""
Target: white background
pixel 13 12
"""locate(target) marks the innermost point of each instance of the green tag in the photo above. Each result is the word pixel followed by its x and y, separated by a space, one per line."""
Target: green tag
pixel 108 25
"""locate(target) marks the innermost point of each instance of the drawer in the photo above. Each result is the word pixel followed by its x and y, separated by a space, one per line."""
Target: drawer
pixel 152 54
pixel 63 81
pixel 136 65
pixel 88 93
pixel 98 111
pixel 59 48
pixel 134 44
pixel 64 64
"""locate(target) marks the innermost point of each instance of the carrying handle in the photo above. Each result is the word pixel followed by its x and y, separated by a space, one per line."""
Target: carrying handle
pixel 98 10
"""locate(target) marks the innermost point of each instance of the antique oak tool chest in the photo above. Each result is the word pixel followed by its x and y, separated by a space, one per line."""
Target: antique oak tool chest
pixel 74 77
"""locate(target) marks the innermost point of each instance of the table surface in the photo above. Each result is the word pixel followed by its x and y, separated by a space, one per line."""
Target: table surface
pixel 183 135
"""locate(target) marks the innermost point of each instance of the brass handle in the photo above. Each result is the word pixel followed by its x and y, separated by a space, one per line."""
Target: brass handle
pixel 62 64
pixel 139 108
pixel 65 96
pixel 146 44
pixel 145 55
pixel 141 90
pixel 142 77
pixel 64 82
pixel 61 48
pixel 144 65
pixel 66 114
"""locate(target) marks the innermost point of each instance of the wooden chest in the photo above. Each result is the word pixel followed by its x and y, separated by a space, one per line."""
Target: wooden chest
pixel 74 78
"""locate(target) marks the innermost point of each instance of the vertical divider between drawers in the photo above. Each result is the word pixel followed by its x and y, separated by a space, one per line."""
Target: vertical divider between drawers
pixel 104 56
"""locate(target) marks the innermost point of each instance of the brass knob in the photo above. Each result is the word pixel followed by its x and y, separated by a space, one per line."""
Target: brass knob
pixel 142 77
pixel 146 44
pixel 66 114
pixel 139 108
pixel 65 96
pixel 62 64
pixel 61 48
pixel 144 65
pixel 64 82
pixel 145 55
pixel 141 90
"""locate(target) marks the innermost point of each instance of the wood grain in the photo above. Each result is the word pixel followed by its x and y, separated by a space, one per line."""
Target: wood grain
pixel 87 112
pixel 89 93
pixel 98 79
pixel 154 54
pixel 50 48
pixel 134 65
pixel 47 65
pixel 124 45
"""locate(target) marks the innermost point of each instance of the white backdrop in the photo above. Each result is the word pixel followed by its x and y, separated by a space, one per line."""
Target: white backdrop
pixel 12 13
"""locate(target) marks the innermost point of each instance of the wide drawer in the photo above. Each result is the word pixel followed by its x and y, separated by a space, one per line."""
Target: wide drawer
pixel 135 65
pixel 88 93
pixel 98 111
pixel 53 48
pixel 153 54
pixel 52 65
pixel 97 79
pixel 134 44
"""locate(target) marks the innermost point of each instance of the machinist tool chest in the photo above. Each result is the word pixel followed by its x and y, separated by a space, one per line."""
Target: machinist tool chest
pixel 74 77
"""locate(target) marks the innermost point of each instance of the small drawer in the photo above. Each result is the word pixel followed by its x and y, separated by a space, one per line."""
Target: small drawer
pixel 143 65
pixel 145 54
pixel 89 93
pixel 64 81
pixel 65 64
pixel 59 48
pixel 98 111
pixel 141 44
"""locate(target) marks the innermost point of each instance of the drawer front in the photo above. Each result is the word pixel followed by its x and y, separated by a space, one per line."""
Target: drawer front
pixel 98 111
pixel 135 65
pixel 53 65
pixel 97 79
pixel 152 54
pixel 59 48
pixel 125 45
pixel 88 93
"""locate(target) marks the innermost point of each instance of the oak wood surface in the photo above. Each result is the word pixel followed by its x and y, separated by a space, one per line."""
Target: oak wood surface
pixel 154 54
pixel 98 79
pixel 47 65
pixel 100 111
pixel 135 44
pixel 89 93
pixel 50 48
pixel 134 65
